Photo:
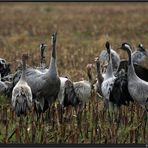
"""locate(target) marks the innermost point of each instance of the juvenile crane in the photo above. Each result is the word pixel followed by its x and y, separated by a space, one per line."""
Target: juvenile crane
pixel 21 94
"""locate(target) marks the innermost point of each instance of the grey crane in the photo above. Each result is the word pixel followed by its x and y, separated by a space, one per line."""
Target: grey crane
pixel 45 86
pixel 78 93
pixel 81 89
pixel 61 94
pixel 137 87
pixel 107 84
pixel 21 94
pixel 141 71
pixel 109 78
pixel 114 88
pixel 66 85
pixel 119 94
pixel 67 95
pixel 139 55
pixel 104 57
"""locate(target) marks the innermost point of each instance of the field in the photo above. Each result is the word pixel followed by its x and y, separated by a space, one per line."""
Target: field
pixel 82 30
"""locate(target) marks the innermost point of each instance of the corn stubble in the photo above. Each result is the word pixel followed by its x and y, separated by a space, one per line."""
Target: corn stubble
pixel 94 126
pixel 81 36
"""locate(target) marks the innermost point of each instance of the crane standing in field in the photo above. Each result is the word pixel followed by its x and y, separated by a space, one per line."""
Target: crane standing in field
pixel 113 88
pixel 119 94
pixel 137 87
pixel 73 93
pixel 138 57
pixel 83 88
pixel 21 94
pixel 104 57
pixel 107 84
pixel 45 86
pixel 109 78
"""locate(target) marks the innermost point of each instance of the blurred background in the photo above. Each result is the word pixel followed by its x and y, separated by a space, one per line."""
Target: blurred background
pixel 83 29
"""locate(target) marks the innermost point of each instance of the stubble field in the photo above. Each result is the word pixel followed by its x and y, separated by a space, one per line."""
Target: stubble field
pixel 83 29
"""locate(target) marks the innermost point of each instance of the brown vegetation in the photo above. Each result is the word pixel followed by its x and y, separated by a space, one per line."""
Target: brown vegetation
pixel 82 31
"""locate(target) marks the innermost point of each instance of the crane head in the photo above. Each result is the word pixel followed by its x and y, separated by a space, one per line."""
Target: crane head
pixel 108 46
pixel 53 38
pixel 42 48
pixel 141 48
pixel 125 46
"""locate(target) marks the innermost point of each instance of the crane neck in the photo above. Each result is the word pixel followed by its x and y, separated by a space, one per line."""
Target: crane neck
pixel 53 65
pixel 41 56
pixel 23 75
pixel 109 71
pixel 42 62
pixel 131 70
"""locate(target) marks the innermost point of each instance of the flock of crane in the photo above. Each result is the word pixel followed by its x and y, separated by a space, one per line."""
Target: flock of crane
pixel 118 82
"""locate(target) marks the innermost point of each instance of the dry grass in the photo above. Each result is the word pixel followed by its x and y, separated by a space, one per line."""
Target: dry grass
pixel 82 31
